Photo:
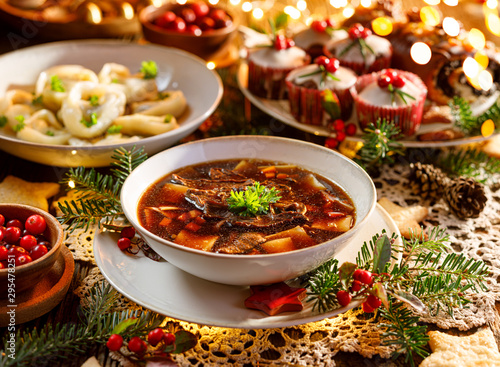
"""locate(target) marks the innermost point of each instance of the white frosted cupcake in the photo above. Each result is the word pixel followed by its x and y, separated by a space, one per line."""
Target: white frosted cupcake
pixel 268 67
pixel 362 51
pixel 314 38
pixel 394 95
pixel 308 88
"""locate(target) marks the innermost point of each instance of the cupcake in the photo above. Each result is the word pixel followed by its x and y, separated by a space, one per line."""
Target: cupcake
pixel 362 51
pixel 268 67
pixel 320 91
pixel 314 38
pixel 394 95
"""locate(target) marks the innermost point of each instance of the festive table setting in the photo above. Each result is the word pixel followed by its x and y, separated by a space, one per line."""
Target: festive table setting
pixel 383 115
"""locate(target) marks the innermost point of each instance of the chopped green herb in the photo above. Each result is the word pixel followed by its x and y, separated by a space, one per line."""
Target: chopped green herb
pixel 3 120
pixel 168 118
pixel 253 200
pixel 37 101
pixel 163 95
pixel 91 122
pixel 49 133
pixel 115 129
pixel 21 123
pixel 149 69
pixel 94 100
pixel 56 84
pixel 115 80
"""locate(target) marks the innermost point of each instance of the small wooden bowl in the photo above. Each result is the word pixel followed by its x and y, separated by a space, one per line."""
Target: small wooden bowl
pixel 27 276
pixel 205 45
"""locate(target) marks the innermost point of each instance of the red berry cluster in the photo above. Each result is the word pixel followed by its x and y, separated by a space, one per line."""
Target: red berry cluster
pixel 126 235
pixel 331 65
pixel 194 18
pixel 157 338
pixel 361 279
pixel 390 77
pixel 24 242
pixel 358 31
pixel 342 130
pixel 321 26
pixel 282 43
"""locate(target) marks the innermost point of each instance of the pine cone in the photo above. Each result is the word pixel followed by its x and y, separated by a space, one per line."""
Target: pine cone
pixel 465 197
pixel 427 181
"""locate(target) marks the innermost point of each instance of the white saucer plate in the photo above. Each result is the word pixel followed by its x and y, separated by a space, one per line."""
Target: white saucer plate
pixel 167 290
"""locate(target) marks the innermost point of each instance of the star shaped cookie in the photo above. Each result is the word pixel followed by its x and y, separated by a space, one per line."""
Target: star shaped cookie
pixel 476 350
pixel 17 191
pixel 276 298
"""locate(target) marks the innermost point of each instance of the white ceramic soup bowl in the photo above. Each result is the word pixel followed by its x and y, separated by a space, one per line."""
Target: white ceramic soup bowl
pixel 250 269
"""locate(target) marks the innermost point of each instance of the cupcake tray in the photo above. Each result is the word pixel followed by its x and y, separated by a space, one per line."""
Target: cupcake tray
pixel 280 110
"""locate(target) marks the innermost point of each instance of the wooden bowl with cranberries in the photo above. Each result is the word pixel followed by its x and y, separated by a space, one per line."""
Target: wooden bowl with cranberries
pixel 196 27
pixel 30 243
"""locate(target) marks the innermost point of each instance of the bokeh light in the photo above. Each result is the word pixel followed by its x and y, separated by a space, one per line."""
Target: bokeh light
pixel 421 53
pixel 487 128
pixel 451 26
pixel 430 16
pixel 382 26
pixel 477 39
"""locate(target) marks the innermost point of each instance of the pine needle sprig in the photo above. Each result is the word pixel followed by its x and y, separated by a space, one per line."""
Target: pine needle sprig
pixel 323 286
pixel 470 162
pixel 404 332
pixel 99 200
pixel 464 119
pixel 379 145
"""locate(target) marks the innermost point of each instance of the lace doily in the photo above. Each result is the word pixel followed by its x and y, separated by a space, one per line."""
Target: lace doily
pixel 317 343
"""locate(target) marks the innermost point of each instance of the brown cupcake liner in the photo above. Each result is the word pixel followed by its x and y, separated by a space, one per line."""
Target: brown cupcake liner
pixel 408 118
pixel 306 104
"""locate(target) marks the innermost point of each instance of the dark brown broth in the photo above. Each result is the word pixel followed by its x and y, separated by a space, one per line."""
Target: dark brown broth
pixel 303 217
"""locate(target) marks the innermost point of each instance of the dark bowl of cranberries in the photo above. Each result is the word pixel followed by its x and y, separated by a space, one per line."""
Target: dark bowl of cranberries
pixel 30 243
pixel 195 27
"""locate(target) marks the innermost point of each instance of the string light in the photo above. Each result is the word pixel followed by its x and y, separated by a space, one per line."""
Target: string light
pixel 432 2
pixel 292 12
pixel 477 39
pixel 71 184
pixel 451 2
pixel 382 26
pixel 421 53
pixel 211 65
pixel 257 13
pixel 246 7
pixel 337 4
pixel 430 16
pixel 301 5
pixel 451 26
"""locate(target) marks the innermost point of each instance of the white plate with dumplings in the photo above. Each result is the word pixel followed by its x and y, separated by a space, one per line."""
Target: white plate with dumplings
pixel 72 103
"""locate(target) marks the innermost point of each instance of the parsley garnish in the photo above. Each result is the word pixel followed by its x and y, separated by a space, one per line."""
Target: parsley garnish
pixel 253 200
pixel 56 84
pixel 94 100
pixel 37 101
pixel 163 95
pixel 3 120
pixel 168 118
pixel 21 123
pixel 149 69
pixel 91 122
pixel 115 129
pixel 49 133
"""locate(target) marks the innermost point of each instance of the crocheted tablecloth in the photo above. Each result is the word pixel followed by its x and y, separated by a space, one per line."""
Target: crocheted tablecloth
pixel 318 343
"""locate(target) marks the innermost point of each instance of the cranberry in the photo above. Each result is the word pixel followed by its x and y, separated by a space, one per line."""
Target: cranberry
pixel 2 220
pixel 188 15
pixel 223 23
pixel 365 33
pixel 23 259
pixel 321 60
pixel 28 242
pixel 384 81
pixel 398 82
pixel 200 9
pixel 16 251
pixel 319 26
pixel 12 234
pixel 124 243
pixel 344 298
pixel 331 143
pixel 194 29
pixel 341 136
pixel 338 125
pixel 169 338
pixel 178 25
pixel 38 251
pixel 333 65
pixel 218 14
pixel 155 336
pixel 114 342
pixel 364 276
pixel 14 223
pixel 280 42
pixel 330 23
pixel 355 31
pixel 355 286
pixel 2 265
pixel 35 224
pixel 206 24
pixel 373 301
pixel 165 19
pixel 290 43
pixel 367 308
pixel 2 232
pixel 350 129
pixel 128 232
pixel 137 345
pixel 3 253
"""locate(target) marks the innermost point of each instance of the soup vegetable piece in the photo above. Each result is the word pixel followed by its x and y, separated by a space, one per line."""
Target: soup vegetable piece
pixel 246 207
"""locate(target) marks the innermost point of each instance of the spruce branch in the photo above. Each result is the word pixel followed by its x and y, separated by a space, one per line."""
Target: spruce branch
pixel 125 162
pixel 464 119
pixel 323 286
